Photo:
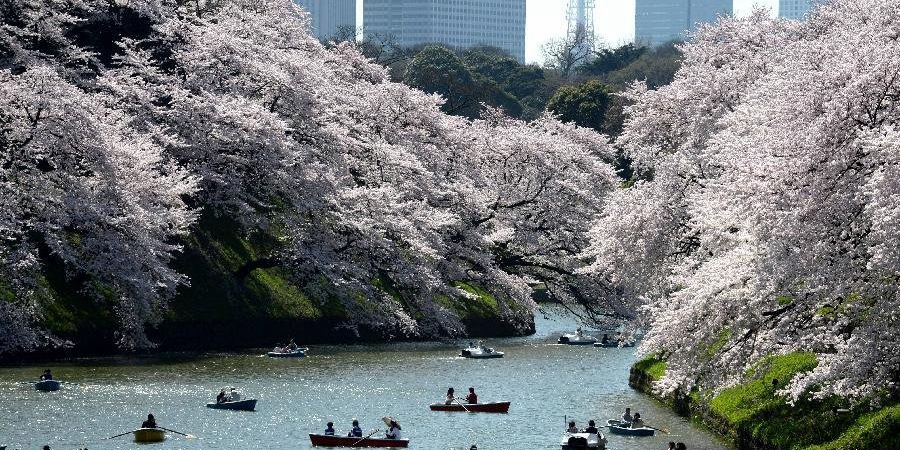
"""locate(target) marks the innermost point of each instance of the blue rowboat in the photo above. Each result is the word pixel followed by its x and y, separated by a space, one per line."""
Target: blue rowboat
pixel 47 385
pixel 240 405
pixel 624 428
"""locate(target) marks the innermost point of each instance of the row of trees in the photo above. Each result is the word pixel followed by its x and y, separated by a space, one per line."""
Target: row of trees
pixel 120 123
pixel 766 217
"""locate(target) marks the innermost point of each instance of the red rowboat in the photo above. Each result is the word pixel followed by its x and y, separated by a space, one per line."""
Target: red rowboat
pixel 325 440
pixel 492 407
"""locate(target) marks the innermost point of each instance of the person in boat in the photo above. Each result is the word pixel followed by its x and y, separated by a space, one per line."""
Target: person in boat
pixel 605 339
pixel 46 375
pixel 572 428
pixel 450 396
pixel 591 428
pixel 150 422
pixel 393 431
pixel 234 395
pixel 292 346
pixel 671 446
pixel 221 398
pixel 329 429
pixel 355 430
pixel 578 332
pixel 637 422
pixel 680 446
pixel 626 417
pixel 472 397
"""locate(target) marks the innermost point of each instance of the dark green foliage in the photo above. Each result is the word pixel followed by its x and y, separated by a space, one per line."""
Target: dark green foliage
pixel 438 70
pixel 611 59
pixel 656 66
pixel 584 104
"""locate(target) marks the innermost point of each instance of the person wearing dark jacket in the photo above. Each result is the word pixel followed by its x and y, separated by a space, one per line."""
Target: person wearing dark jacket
pixel 592 428
pixel 150 422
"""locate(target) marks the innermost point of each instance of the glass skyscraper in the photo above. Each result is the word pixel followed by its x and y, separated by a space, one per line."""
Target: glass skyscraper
pixel 659 21
pixel 454 23
pixel 329 16
pixel 794 9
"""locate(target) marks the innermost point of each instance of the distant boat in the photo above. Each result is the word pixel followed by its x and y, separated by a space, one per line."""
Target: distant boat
pixel 240 405
pixel 579 441
pixel 576 338
pixel 47 385
pixel 327 440
pixel 480 352
pixel 149 435
pixel 612 344
pixel 490 407
pixel 278 353
pixel 624 428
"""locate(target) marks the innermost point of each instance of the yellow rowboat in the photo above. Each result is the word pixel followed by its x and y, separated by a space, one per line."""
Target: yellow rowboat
pixel 149 435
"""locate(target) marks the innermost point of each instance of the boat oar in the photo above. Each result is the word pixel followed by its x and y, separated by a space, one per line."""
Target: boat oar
pixel 123 434
pixel 365 437
pixel 460 404
pixel 187 435
pixel 664 430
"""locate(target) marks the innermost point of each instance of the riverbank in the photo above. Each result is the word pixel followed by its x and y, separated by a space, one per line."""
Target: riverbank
pixel 752 416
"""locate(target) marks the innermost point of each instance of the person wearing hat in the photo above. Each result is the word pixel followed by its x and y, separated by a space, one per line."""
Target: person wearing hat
pixel 592 428
pixel 329 430
pixel 393 431
pixel 355 431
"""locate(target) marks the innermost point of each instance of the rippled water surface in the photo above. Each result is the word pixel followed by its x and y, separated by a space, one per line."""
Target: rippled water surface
pixel 544 382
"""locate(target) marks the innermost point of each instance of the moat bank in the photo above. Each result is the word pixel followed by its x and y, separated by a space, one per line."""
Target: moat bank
pixel 751 416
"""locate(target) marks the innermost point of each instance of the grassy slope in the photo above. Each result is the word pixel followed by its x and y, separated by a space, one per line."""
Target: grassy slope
pixel 752 414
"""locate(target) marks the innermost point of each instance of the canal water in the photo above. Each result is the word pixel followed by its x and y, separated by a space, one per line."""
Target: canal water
pixel 545 382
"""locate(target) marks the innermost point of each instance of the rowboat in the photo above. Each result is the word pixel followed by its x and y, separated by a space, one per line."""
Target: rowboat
pixel 149 435
pixel 241 405
pixel 490 407
pixel 326 440
pixel 624 428
pixel 300 352
pixel 579 441
pixel 576 339
pixel 480 352
pixel 47 385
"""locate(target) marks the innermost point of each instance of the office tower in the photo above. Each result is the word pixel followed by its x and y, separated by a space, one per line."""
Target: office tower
pixel 454 23
pixel 659 21
pixel 794 9
pixel 330 16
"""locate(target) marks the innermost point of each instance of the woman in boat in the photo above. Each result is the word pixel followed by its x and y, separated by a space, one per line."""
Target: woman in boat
pixel 150 422
pixel 329 429
pixel 592 428
pixel 637 422
pixel 626 417
pixel 46 375
pixel 450 396
pixel 393 431
pixel 221 397
pixel 472 397
pixel 572 428
pixel 355 430
pixel 234 395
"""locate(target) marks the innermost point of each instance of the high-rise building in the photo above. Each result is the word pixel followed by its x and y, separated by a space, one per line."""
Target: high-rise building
pixel 659 21
pixel 454 23
pixel 328 17
pixel 794 9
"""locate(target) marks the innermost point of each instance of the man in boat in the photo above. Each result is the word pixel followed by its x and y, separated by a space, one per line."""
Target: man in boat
pixel 637 422
pixel 572 428
pixel 329 429
pixel 393 431
pixel 355 431
pixel 221 398
pixel 46 375
pixel 592 428
pixel 472 397
pixel 605 339
pixel 627 416
pixel 292 346
pixel 450 396
pixel 150 422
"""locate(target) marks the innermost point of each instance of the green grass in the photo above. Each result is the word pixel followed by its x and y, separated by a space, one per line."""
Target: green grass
pixel 484 305
pixel 877 430
pixel 654 367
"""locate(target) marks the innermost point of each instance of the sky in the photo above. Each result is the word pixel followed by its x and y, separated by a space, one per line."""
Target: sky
pixel 613 21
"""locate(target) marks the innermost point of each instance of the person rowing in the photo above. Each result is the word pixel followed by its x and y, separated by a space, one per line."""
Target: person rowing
pixel 355 431
pixel 221 398
pixel 450 396
pixel 150 422
pixel 637 422
pixel 329 429
pixel 46 375
pixel 626 417
pixel 393 431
